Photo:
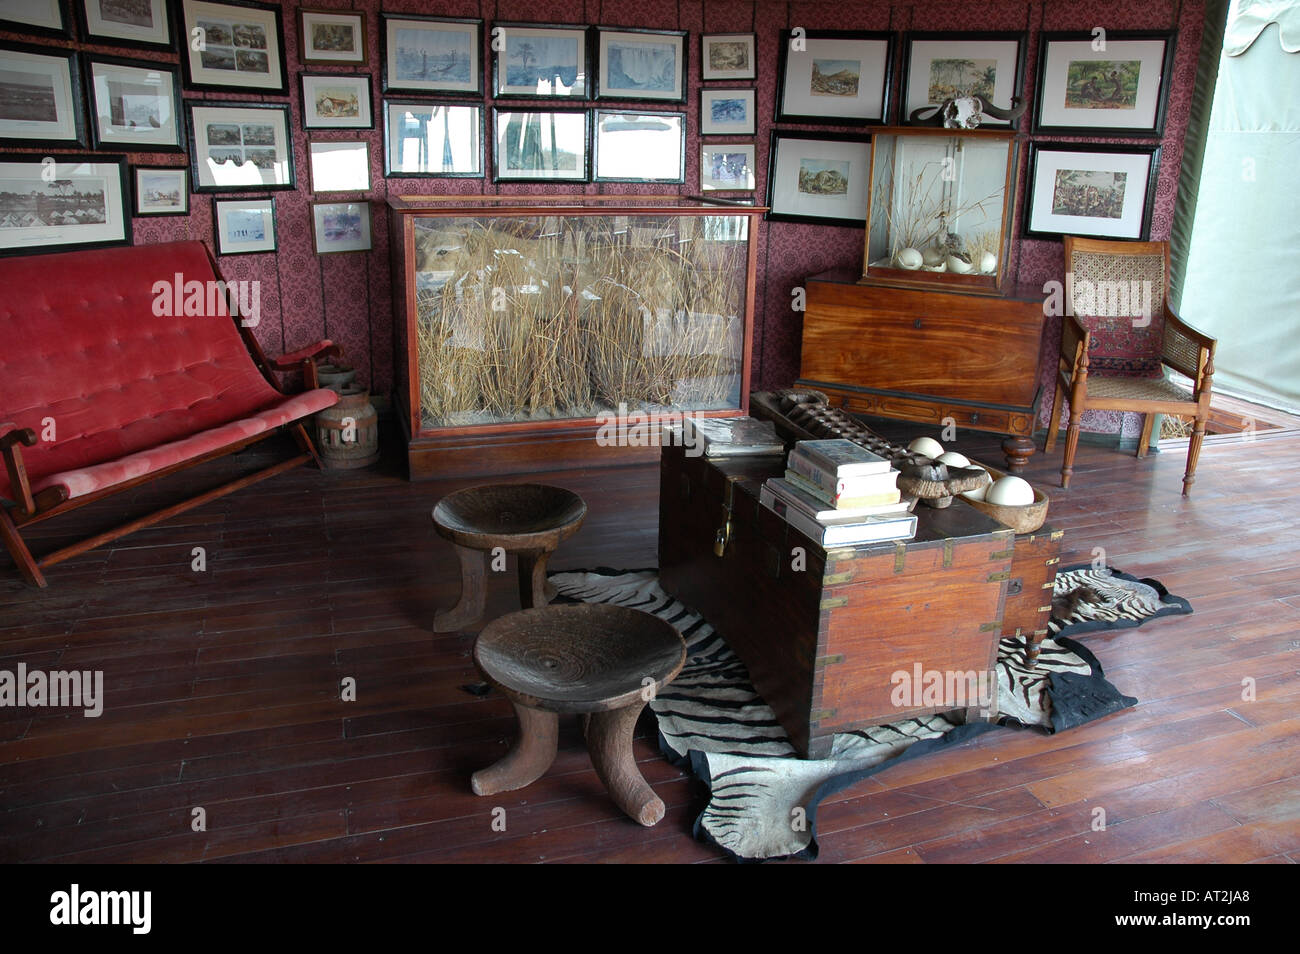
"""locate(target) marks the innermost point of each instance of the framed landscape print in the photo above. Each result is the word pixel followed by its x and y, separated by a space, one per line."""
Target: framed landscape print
pixel 46 17
pixel 161 190
pixel 1090 190
pixel 340 227
pixel 125 22
pixel 942 66
pixel 818 177
pixel 640 147
pixel 240 147
pixel 542 62
pixel 727 167
pixel 433 139
pixel 432 55
pixel 135 105
pixel 727 56
pixel 339 166
pixel 334 37
pixel 240 46
pixel 838 77
pixel 1121 89
pixel 244 226
pixel 727 112
pixel 641 64
pixel 540 145
pixel 77 202
pixel 336 101
pixel 40 97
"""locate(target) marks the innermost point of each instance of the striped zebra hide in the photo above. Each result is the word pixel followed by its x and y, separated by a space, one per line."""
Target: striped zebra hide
pixel 763 797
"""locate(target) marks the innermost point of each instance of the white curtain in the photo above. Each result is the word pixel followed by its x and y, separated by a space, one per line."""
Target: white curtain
pixel 1242 281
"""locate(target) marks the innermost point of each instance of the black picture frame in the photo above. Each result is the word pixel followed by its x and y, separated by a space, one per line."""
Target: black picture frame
pixel 169 15
pixel 76 98
pixel 1041 92
pixel 584 65
pixel 476 71
pixel 1037 148
pixel 587 164
pixel 37 163
pixel 136 209
pixel 97 136
pixel 217 247
pixel 602 92
pixel 1020 38
pixel 389 172
pixel 773 214
pixel 196 180
pixel 784 64
pixel 185 28
pixel 63 32
pixel 642 114
pixel 362 80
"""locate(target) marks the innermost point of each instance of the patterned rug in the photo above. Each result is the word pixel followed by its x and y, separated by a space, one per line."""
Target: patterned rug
pixel 763 797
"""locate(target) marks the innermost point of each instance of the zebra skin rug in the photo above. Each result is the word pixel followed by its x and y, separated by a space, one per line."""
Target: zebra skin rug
pixel 763 797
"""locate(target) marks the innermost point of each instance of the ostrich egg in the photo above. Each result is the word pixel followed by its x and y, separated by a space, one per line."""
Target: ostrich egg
pixel 953 459
pixel 1010 492
pixel 927 446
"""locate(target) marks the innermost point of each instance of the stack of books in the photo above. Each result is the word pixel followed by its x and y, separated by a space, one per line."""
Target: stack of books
pixel 730 437
pixel 840 494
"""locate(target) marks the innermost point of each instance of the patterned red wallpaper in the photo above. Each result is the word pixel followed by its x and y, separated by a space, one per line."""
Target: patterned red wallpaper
pixel 347 297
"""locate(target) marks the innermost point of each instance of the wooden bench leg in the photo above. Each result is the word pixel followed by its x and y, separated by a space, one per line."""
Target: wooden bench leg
pixel 18 550
pixel 529 757
pixel 534 590
pixel 609 740
pixel 473 593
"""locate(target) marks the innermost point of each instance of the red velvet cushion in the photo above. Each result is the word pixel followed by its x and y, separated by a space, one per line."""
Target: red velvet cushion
pixel 81 345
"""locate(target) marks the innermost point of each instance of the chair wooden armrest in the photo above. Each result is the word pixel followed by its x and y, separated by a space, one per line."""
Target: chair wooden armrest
pixel 1188 351
pixel 13 456
pixel 305 359
pixel 1074 346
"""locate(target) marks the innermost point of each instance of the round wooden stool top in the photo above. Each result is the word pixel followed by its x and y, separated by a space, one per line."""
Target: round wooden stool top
pixel 587 657
pixel 512 516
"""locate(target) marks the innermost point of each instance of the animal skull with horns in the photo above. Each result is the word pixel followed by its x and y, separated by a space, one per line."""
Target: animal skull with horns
pixel 965 112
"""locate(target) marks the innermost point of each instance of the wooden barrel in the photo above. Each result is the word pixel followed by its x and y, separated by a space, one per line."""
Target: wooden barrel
pixel 347 434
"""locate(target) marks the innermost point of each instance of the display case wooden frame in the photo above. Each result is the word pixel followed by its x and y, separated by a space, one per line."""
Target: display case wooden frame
pixel 521 446
pixel 890 273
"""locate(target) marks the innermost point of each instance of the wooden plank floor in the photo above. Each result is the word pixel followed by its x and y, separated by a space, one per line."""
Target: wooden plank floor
pixel 222 688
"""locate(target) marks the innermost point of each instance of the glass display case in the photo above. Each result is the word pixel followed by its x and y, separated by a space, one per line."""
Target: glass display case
pixel 531 321
pixel 939 208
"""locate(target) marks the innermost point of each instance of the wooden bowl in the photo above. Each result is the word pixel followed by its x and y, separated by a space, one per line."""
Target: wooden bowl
pixel 1025 518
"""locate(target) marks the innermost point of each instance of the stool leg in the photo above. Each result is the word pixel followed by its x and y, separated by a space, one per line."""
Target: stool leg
pixel 529 757
pixel 473 592
pixel 533 588
pixel 609 740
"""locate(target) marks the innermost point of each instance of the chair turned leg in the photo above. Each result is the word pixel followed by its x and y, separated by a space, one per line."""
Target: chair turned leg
pixel 534 590
pixel 1193 454
pixel 26 563
pixel 473 593
pixel 609 739
pixel 1054 422
pixel 529 757
pixel 1148 421
pixel 1071 445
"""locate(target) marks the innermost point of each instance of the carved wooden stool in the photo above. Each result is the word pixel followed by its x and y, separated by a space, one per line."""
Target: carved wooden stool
pixel 528 520
pixel 581 658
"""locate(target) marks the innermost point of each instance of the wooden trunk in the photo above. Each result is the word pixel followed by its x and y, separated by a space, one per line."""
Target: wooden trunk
pixel 824 632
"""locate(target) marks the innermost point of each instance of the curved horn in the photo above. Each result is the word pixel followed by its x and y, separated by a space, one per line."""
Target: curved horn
pixel 934 119
pixel 1015 112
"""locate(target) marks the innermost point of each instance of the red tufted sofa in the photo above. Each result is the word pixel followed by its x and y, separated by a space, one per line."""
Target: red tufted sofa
pixel 99 392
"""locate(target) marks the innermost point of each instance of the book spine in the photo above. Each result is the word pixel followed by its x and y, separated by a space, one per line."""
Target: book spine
pixel 897 528
pixel 826 483
pixel 805 524
pixel 842 467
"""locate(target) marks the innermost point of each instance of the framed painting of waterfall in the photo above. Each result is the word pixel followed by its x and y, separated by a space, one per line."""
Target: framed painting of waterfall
pixel 432 55
pixel 641 65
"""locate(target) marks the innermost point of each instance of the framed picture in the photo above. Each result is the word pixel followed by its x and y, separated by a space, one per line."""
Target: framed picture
pixel 336 101
pixel 942 66
pixel 242 46
pixel 728 56
pixel 77 202
pixel 340 227
pixel 335 37
pixel 540 145
pixel 135 105
pixel 160 190
pixel 640 147
pixel 240 147
pixel 125 22
pixel 818 177
pixel 532 61
pixel 641 64
pixel 45 17
pixel 1090 190
pixel 432 139
pixel 727 167
pixel 727 112
pixel 1119 90
pixel 432 55
pixel 244 226
pixel 339 166
pixel 837 76
pixel 41 101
